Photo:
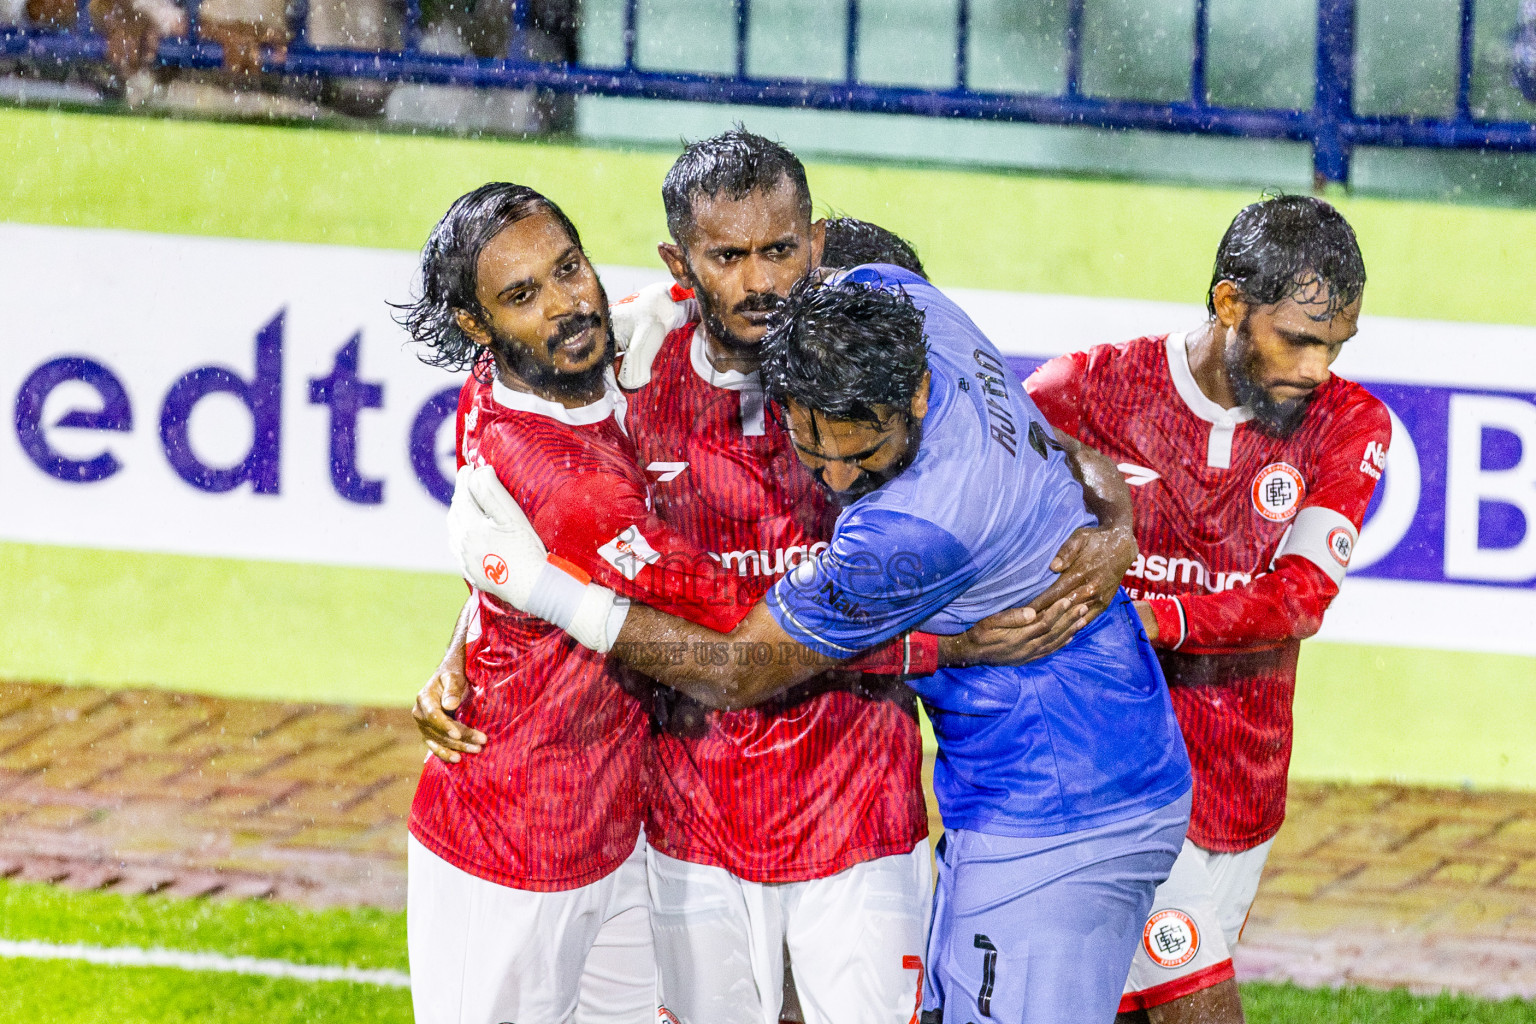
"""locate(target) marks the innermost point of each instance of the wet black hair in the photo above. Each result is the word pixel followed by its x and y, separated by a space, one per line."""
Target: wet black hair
pixel 735 164
pixel 852 242
pixel 448 268
pixel 845 350
pixel 1290 246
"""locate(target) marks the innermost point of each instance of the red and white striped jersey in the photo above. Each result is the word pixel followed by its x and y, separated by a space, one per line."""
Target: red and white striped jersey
pixel 556 798
pixel 808 785
pixel 1244 538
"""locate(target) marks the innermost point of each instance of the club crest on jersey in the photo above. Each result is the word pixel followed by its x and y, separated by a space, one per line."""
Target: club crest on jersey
pixel 1340 545
pixel 1170 938
pixel 1277 491
pixel 666 1016
pixel 629 552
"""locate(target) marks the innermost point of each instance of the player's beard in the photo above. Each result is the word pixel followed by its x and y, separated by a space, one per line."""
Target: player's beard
pixel 542 377
pixel 709 314
pixel 1279 417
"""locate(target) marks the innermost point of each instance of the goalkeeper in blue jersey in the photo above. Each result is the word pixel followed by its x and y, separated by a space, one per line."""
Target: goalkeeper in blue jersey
pixel 1063 782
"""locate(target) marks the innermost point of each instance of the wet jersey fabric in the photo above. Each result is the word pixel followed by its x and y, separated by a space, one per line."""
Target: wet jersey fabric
pixel 556 798
pixel 802 787
pixel 1223 513
pixel 967 530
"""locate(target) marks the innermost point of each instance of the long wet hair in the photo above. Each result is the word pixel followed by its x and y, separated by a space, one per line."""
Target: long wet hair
pixel 448 270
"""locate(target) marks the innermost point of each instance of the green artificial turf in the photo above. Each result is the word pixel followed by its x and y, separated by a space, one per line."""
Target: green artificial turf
pixel 71 992
pixel 68 992
pixel 344 938
pixel 1288 1004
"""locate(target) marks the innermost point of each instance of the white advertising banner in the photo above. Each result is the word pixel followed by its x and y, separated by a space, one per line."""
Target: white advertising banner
pixel 256 400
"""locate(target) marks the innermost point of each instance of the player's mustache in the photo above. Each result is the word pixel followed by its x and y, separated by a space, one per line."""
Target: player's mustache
pixel 572 326
pixel 758 304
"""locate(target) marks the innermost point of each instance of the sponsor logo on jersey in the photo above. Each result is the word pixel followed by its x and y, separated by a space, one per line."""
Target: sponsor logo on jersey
pixel 1374 460
pixel 765 563
pixel 1171 569
pixel 629 552
pixel 1277 491
pixel 1138 476
pixel 667 470
pixel 495 569
pixel 1170 938
pixel 839 601
pixel 1340 545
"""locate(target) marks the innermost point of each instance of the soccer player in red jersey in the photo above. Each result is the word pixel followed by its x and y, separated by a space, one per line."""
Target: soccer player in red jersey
pixel 1251 467
pixel 527 892
pixel 799 824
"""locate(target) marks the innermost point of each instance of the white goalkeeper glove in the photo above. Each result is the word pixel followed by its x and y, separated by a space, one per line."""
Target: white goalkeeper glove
pixel 641 323
pixel 500 554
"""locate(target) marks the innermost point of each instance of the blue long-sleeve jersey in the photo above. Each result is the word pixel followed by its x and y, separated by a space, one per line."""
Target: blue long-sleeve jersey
pixel 1083 737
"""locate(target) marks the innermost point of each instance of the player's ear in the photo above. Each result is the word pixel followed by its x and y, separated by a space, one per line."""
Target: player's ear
pixel 672 256
pixel 920 396
pixel 1229 303
pixel 818 241
pixel 472 328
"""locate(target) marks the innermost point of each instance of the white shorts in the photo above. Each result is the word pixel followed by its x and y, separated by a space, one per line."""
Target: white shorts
pixel 483 953
pixel 855 942
pixel 1197 917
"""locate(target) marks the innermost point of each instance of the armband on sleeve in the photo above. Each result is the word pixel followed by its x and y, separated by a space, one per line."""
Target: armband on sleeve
pixel 1323 537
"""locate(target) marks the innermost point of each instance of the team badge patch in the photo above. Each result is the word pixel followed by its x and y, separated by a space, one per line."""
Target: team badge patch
pixel 1170 938
pixel 629 552
pixel 1277 490
pixel 666 1016
pixel 1340 545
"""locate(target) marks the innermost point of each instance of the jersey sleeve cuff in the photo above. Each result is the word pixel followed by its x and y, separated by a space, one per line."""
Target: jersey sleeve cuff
pixel 801 633
pixel 1172 626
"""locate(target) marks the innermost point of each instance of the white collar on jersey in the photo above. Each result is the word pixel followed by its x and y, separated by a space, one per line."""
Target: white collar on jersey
pixel 730 380
pixel 613 403
pixel 754 412
pixel 1218 449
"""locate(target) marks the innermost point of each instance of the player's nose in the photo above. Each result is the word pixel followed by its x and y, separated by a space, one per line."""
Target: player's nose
pixel 755 277
pixel 840 476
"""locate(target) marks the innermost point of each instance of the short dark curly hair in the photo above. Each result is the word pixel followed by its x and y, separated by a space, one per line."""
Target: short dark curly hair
pixel 846 350
pixel 1286 246
pixel 851 242
pixel 734 164
pixel 448 269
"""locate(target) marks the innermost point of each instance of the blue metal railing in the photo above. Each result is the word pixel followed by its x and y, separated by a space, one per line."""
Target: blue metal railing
pixel 1331 125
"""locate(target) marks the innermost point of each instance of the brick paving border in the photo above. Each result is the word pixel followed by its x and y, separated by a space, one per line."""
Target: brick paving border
pixel 141 791
pixel 151 791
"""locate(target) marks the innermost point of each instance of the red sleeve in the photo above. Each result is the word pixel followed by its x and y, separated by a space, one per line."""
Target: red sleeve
pixel 466 402
pixel 598 520
pixel 1277 606
pixel 1289 601
pixel 1349 460
pixel 1057 389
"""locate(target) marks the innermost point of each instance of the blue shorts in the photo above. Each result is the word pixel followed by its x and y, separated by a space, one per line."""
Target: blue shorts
pixel 1043 930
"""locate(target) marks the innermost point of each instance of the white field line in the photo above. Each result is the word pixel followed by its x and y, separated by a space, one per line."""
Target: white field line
pixel 133 956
